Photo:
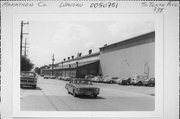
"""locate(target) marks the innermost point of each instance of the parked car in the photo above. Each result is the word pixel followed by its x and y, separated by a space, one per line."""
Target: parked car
pixel 116 80
pixel 28 79
pixel 126 81
pixel 82 87
pixel 66 78
pixel 97 79
pixel 139 79
pixel 107 79
pixel 150 82
pixel 89 77
pixel 49 77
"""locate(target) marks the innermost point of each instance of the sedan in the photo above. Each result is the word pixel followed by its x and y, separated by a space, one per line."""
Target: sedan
pixel 107 79
pixel 28 79
pixel 82 87
pixel 97 79
pixel 151 82
pixel 139 79
pixel 126 81
pixel 116 80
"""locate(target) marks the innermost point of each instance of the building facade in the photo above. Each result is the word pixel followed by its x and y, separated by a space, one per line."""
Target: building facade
pixel 77 67
pixel 135 56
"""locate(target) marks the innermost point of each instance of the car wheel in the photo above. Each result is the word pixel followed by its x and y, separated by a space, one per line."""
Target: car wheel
pixel 21 86
pixel 68 91
pixel 139 83
pixel 95 96
pixel 111 82
pixel 74 94
pixel 151 85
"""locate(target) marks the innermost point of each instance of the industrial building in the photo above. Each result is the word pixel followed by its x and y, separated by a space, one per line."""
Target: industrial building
pixel 134 56
pixel 78 67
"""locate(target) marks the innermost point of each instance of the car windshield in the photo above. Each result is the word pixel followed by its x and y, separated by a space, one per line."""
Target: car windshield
pixel 29 74
pixel 83 82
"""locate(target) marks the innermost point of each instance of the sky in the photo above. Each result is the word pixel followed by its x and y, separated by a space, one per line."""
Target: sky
pixel 64 39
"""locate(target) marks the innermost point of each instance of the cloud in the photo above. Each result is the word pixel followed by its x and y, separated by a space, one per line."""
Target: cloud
pixel 67 32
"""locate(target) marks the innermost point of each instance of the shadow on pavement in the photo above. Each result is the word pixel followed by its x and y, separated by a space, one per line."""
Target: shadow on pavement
pixel 152 94
pixel 30 88
pixel 90 97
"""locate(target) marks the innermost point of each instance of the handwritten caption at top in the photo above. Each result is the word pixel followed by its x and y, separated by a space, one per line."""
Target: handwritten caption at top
pixel 63 4
pixel 158 6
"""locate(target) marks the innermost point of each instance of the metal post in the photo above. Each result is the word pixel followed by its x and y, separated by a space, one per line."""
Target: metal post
pixel 77 72
pixel 53 65
pixel 21 38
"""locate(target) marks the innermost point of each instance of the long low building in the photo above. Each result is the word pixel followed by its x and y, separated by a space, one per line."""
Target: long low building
pixel 75 67
pixel 134 56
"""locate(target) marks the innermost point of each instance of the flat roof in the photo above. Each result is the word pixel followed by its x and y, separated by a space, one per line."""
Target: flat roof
pixel 78 58
pixel 138 40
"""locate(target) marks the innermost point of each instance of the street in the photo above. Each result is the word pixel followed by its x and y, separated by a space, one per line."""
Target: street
pixel 51 95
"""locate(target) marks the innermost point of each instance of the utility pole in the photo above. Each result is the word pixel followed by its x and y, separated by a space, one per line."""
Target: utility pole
pixel 21 36
pixel 25 47
pixel 53 64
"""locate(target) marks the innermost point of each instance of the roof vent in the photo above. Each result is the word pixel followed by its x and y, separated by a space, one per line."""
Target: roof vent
pixel 79 54
pixel 105 45
pixel 90 51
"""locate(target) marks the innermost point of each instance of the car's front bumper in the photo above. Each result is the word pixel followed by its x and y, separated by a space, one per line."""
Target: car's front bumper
pixel 28 83
pixel 86 93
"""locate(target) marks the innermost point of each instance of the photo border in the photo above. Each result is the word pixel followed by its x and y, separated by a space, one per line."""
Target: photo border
pixel 159 67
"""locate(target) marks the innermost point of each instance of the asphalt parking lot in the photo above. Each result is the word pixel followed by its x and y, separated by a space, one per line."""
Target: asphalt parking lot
pixel 51 95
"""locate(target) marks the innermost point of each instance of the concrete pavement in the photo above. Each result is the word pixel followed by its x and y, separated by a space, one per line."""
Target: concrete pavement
pixel 51 95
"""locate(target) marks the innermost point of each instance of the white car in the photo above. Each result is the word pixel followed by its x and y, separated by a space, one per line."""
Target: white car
pixel 97 79
pixel 138 79
pixel 116 80
pixel 107 79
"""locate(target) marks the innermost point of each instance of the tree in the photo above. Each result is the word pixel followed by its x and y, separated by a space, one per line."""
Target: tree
pixel 26 64
pixel 37 70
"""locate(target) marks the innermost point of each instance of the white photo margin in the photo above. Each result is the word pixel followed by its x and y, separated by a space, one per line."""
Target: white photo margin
pixel 159 63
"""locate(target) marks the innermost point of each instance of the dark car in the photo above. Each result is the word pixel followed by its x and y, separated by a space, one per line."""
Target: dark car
pixel 126 81
pixel 151 82
pixel 28 79
pixel 82 87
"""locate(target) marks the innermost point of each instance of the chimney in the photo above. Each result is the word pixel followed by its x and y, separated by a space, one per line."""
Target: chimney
pixel 68 58
pixel 80 54
pixel 64 59
pixel 90 51
pixel 105 45
pixel 72 57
